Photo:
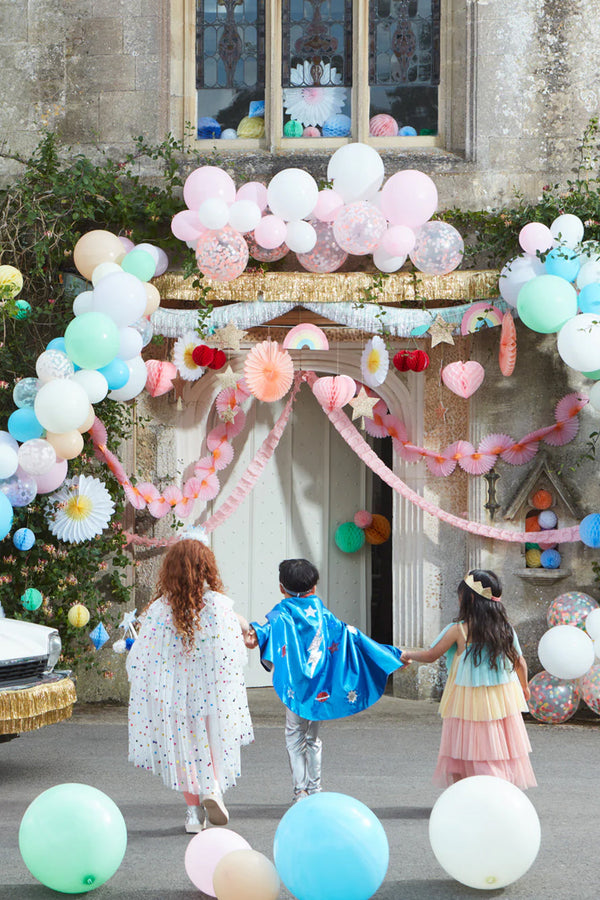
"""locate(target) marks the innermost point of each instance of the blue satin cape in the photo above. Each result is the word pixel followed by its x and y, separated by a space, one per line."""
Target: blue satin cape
pixel 322 668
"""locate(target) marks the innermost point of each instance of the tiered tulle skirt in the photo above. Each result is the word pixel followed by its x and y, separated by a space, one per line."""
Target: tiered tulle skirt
pixel 483 733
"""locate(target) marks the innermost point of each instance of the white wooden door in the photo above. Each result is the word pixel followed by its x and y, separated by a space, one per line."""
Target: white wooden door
pixel 312 484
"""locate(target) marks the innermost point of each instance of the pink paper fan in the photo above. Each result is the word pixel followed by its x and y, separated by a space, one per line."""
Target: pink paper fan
pixel 334 391
pixel 98 432
pixel 159 507
pixel 537 435
pixel 204 467
pixel 520 453
pixel 569 406
pixel 191 489
pixel 232 429
pixel 148 491
pixel 216 436
pixel 222 455
pixel 440 465
pixel 395 428
pixel 562 432
pixel 495 444
pixel 477 463
pixel 269 371
pixel 458 450
pixel 375 425
pixel 115 466
pixel 409 452
pixel 172 495
pixel 133 496
pixel 184 507
pixel 209 487
pixel 227 399
pixel 242 390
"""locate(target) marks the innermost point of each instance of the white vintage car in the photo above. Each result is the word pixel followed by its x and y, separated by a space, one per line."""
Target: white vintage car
pixel 32 693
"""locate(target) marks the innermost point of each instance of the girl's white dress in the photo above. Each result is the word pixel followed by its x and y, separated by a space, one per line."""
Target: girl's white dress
pixel 188 711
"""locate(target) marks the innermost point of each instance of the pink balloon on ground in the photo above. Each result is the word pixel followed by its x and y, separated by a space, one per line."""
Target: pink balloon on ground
pixel 398 240
pixel 205 183
pixel 270 232
pixel 409 198
pixel 53 479
pixel 329 203
pixel 255 192
pixel 535 237
pixel 186 226
pixel 205 850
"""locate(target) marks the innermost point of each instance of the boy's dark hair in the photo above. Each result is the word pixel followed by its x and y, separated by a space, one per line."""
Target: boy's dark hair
pixel 297 576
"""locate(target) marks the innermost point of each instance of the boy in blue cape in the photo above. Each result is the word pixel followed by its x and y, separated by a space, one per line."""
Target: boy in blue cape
pixel 322 668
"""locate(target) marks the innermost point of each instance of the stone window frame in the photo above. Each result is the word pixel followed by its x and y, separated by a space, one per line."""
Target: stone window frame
pixel 457 92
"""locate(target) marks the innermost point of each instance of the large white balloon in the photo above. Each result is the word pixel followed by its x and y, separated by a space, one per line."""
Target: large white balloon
pixel 578 342
pixel 136 381
pixel 61 405
pixel 516 273
pixel 93 382
pixel 588 274
pixel 592 624
pixel 567 230
pixel 121 296
pixel 292 194
pixel 244 215
pixel 214 213
pixel 83 303
pixel 566 652
pixel 130 343
pixel 300 236
pixel 385 262
pixel 356 171
pixel 484 832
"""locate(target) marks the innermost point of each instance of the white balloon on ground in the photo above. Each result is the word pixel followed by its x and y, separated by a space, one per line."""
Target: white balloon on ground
pixel 567 230
pixel 135 383
pixel 385 262
pixel 83 303
pixel 93 382
pixel 592 624
pixel 356 171
pixel 484 832
pixel 566 652
pixel 578 342
pixel 589 273
pixel 61 405
pixel 516 273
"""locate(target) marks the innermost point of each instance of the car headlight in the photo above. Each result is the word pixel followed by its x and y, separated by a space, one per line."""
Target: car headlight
pixel 54 648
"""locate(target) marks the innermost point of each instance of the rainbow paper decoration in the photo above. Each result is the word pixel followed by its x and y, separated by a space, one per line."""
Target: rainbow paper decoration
pixel 306 335
pixel 480 315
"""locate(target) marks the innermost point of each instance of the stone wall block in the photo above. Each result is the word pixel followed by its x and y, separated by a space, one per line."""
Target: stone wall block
pixel 97 74
pixel 80 121
pixel 96 37
pixel 141 35
pixel 123 114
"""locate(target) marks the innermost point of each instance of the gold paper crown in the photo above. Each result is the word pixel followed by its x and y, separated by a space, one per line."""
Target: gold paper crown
pixel 478 587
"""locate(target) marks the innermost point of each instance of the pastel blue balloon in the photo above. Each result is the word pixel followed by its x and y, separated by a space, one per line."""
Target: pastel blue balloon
pixel 589 530
pixel 589 298
pixel 116 373
pixel 24 539
pixel 331 846
pixel 563 262
pixel 25 391
pixel 23 425
pixel 6 515
pixel 57 343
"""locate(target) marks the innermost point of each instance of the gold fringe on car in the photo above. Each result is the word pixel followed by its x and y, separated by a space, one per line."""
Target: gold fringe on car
pixel 33 707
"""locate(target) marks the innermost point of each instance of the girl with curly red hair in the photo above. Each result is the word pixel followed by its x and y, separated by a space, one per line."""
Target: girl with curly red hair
pixel 188 711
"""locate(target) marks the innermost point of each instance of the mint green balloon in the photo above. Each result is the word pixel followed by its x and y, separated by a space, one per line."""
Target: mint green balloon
pixel 72 838
pixel 139 263
pixel 546 303
pixel 593 376
pixel 92 340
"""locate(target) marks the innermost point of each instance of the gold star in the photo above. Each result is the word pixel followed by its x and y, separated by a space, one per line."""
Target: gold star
pixel 229 337
pixel 362 405
pixel 441 331
pixel 228 378
pixel 228 414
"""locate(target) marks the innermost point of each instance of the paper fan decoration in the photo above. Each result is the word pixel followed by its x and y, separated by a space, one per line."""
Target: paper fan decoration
pixel 306 335
pixel 480 315
pixel 520 453
pixel 227 400
pixel 439 464
pixel 562 432
pixel 477 463
pixel 495 444
pixel 160 376
pixel 374 362
pixel 395 428
pixel 375 426
pixel 183 357
pixel 333 392
pixel 80 510
pixel 269 371
pixel 309 103
pixel 222 455
pixel 507 356
pixel 409 452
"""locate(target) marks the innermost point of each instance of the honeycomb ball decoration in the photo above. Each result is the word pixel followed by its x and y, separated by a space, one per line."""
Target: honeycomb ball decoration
pixel 24 539
pixel 208 128
pixel 32 599
pixel 78 616
pixel 542 499
pixel 552 700
pixel 589 530
pixel 533 559
pixel 383 125
pixel 293 129
pixel 349 538
pixel 251 127
pixel 378 531
pixel 589 687
pixel 337 126
pixel 571 608
pixel 229 134
pixel 311 131
pixel 550 559
pixel 547 519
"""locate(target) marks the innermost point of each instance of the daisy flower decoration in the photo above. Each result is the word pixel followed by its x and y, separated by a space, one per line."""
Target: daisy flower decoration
pixel 312 103
pixel 80 510
pixel 374 362
pixel 182 357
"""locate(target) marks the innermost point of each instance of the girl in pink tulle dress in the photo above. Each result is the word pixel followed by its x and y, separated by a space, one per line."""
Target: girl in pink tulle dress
pixel 483 732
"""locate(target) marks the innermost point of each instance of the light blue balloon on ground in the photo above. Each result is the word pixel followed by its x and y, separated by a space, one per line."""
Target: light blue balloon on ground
pixel 72 838
pixel 330 846
pixel 6 515
pixel 546 303
pixel 23 425
pixel 563 262
pixel 589 530
pixel 589 298
pixel 24 539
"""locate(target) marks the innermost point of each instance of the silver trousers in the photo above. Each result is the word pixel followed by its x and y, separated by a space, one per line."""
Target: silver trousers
pixel 304 750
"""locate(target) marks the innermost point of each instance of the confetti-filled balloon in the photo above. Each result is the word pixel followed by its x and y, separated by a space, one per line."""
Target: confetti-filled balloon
pixel 222 255
pixel 571 608
pixel 590 688
pixel 359 227
pixel 326 255
pixel 552 700
pixel 438 249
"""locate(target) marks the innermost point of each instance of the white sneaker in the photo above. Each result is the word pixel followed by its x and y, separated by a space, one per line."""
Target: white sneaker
pixel 193 825
pixel 300 796
pixel 215 809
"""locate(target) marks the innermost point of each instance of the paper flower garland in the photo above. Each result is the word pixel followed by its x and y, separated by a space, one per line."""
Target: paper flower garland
pixel 268 371
pixel 183 357
pixel 80 510
pixel 374 362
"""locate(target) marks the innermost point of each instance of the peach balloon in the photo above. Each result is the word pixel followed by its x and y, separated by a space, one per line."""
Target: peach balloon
pixel 152 298
pixel 245 875
pixel 94 248
pixel 85 426
pixel 67 445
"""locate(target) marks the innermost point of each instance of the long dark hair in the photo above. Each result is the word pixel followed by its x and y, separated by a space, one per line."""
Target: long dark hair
pixel 486 620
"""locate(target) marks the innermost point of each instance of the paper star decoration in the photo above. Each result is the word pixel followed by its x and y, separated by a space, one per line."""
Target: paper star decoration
pixel 441 331
pixel 228 378
pixel 230 336
pixel 362 405
pixel 128 619
pixel 228 415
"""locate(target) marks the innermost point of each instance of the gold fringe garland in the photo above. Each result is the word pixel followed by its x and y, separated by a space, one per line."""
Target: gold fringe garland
pixel 30 708
pixel 336 287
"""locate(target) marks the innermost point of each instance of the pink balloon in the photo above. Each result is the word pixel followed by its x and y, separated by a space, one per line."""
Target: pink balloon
pixel 254 191
pixel 535 236
pixel 270 232
pixel 409 198
pixel 53 479
pixel 262 255
pixel 207 182
pixel 398 240
pixel 205 850
pixel 359 227
pixel 163 262
pixel 186 226
pixel 329 203
pixel 222 255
